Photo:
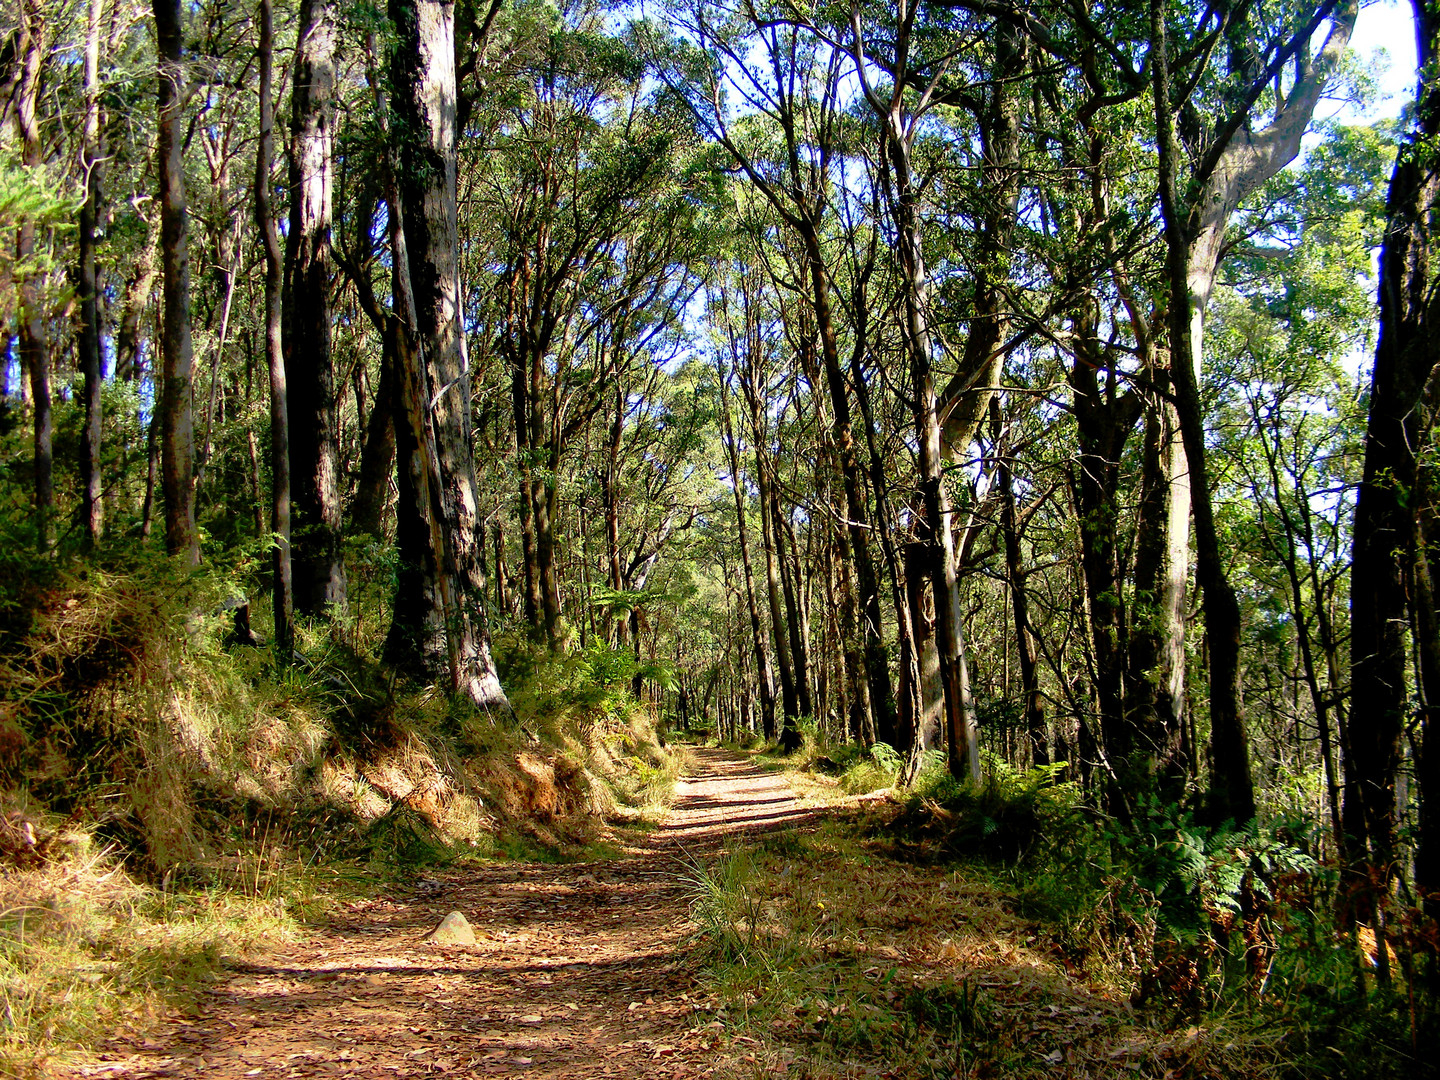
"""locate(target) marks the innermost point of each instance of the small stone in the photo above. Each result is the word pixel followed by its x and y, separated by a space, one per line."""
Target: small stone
pixel 454 929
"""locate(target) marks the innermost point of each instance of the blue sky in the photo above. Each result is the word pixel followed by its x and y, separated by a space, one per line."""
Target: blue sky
pixel 1387 25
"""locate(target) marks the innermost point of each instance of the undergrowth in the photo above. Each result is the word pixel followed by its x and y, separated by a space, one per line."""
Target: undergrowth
pixel 1009 929
pixel 88 951
pixel 172 796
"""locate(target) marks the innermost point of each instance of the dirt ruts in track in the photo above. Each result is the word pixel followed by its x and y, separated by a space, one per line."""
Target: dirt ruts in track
pixel 575 973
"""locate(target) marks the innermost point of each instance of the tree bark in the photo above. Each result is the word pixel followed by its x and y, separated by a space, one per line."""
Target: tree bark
pixel 435 387
pixel 857 517
pixel 934 529
pixel 309 365
pixel 34 347
pixel 177 444
pixel 794 611
pixel 136 299
pixel 610 496
pixel 1238 159
pixel 92 153
pixel 764 672
pixel 282 593
pixel 1010 528
pixel 377 454
pixel 1384 539
pixel 1232 792
pixel 789 700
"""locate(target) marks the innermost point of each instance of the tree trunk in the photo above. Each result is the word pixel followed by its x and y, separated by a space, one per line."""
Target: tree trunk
pixel 34 348
pixel 1427 624
pixel 435 384
pixel 1155 621
pixel 1232 793
pixel 1035 726
pixel 772 587
pixel 545 493
pixel 789 732
pixel 922 620
pixel 1237 164
pixel 794 613
pixel 92 153
pixel 319 567
pixel 1104 421
pixel 934 527
pixel 503 602
pixel 136 299
pixel 1384 547
pixel 857 518
pixel 765 674
pixel 280 564
pixel 377 454
pixel 610 496
pixel 177 447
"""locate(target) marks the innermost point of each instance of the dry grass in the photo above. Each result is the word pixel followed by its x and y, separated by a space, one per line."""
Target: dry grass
pixel 88 952
pixel 841 960
pixel 216 778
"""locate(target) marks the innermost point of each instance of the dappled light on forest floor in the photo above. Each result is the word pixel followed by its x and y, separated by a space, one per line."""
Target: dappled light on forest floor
pixel 577 971
pixel 746 936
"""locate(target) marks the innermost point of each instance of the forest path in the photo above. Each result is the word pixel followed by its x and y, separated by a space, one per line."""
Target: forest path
pixel 575 972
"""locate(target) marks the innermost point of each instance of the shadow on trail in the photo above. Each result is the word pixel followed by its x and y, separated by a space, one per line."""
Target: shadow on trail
pixel 577 973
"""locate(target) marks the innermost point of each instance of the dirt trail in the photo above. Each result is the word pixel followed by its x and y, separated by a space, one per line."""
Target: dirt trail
pixel 574 973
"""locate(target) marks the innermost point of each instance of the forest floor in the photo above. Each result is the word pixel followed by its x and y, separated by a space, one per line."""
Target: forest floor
pixel 751 934
pixel 577 970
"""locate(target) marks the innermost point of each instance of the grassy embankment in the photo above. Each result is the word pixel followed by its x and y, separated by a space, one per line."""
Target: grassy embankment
pixel 171 799
pixel 1012 931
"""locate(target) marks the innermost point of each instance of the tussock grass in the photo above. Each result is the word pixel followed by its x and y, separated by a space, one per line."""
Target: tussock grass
pixel 828 954
pixel 87 951
pixel 1008 930
pixel 216 795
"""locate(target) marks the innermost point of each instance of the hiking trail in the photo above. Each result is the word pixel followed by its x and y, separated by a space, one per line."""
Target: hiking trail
pixel 576 969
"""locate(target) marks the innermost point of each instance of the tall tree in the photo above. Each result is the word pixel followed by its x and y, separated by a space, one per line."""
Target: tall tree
pixel 900 121
pixel 92 155
pixel 793 82
pixel 1394 499
pixel 440 622
pixel 31 47
pixel 1200 191
pixel 177 437
pixel 280 563
pixel 309 365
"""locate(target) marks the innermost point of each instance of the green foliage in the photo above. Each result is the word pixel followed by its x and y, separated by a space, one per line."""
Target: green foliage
pixel 727 916
pixel 1002 818
pixel 590 685
pixel 402 840
pixel 870 770
pixel 1205 879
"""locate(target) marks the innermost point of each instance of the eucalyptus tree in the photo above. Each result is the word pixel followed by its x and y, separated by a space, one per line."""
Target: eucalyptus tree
pixel 735 315
pixel 1396 529
pixel 770 93
pixel 314 443
pixel 92 153
pixel 753 367
pixel 439 624
pixel 1205 172
pixel 281 584
pixel 1294 301
pixel 903 59
pixel 1232 91
pixel 590 242
pixel 177 449
pixel 32 46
